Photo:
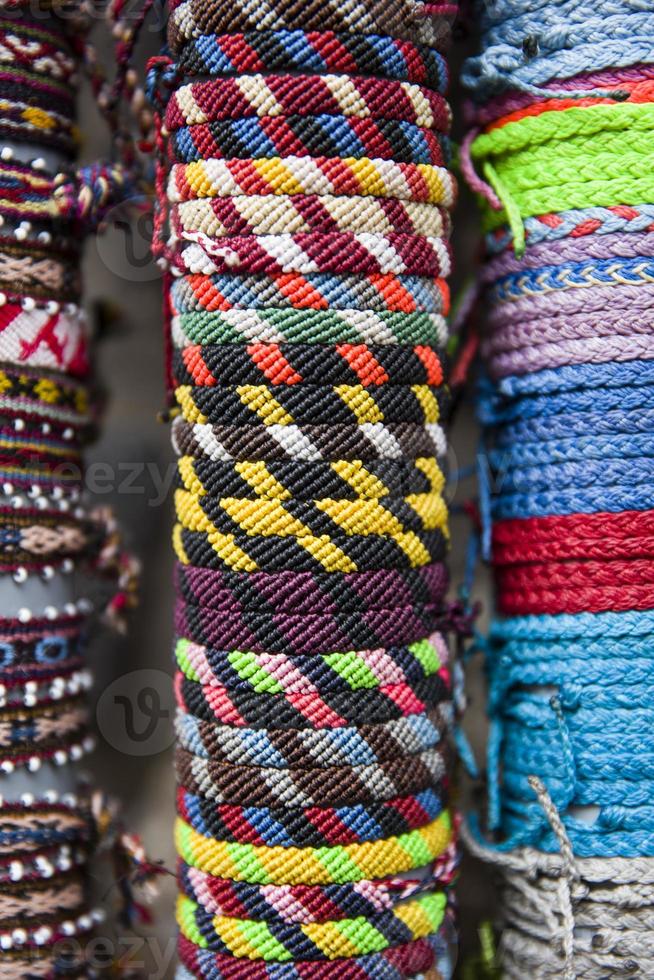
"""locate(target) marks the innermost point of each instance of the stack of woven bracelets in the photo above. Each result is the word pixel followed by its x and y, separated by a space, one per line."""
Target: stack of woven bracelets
pixel 561 151
pixel 307 200
pixel 48 540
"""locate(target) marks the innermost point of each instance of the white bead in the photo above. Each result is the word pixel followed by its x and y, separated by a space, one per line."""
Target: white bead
pixel 7 766
pixel 16 870
pixel 47 572
pixel 24 615
pixel 76 752
pixel 7 153
pixel 31 687
pixel 19 936
pixel 19 425
pixel 57 493
pixel 70 608
pixel 34 764
pixel 30 700
pixel 50 612
pixel 60 757
pixel 51 796
pixel 28 304
pixel 42 935
pixel 69 799
pixel 41 503
pixel 20 575
pixel 46 428
pixel 67 566
pixel 85 922
pixel 68 433
pixel 39 163
pixel 8 489
pixel 45 238
pixel 27 799
pixel 6 941
pixel 34 491
pixel 85 605
pixel 3 298
pixel 68 928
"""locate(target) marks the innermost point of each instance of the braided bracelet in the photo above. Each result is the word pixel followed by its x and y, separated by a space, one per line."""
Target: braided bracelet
pixel 272 215
pixel 304 903
pixel 311 51
pixel 419 182
pixel 310 826
pixel 189 19
pixel 213 703
pixel 306 95
pixel 307 326
pixel 275 255
pixel 373 293
pixel 220 364
pixel 303 633
pixel 576 223
pixel 309 480
pixel 291 865
pixel 305 592
pixel 325 135
pixel 396 963
pixel 283 748
pixel 367 442
pixel 327 940
pixel 266 405
pixel 350 670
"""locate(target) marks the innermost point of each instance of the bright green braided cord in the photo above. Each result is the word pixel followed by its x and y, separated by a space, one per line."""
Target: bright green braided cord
pixel 544 164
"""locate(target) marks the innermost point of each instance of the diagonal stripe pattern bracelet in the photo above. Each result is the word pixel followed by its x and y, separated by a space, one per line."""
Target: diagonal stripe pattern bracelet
pixel 304 199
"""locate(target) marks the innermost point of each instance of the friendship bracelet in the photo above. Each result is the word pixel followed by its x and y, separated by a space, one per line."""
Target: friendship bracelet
pixel 301 633
pixel 220 364
pixel 310 826
pixel 567 108
pixel 372 440
pixel 299 903
pixel 273 673
pixel 414 920
pixel 307 197
pixel 394 963
pixel 323 135
pixel 364 176
pixel 272 95
pixel 355 862
pixel 341 479
pixel 279 254
pixel 305 592
pixel 266 405
pixel 576 223
pixel 212 703
pixel 373 293
pixel 189 20
pixel 313 51
pixel 266 215
pixel 282 748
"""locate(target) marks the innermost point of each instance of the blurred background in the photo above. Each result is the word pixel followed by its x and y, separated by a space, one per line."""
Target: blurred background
pixel 131 469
